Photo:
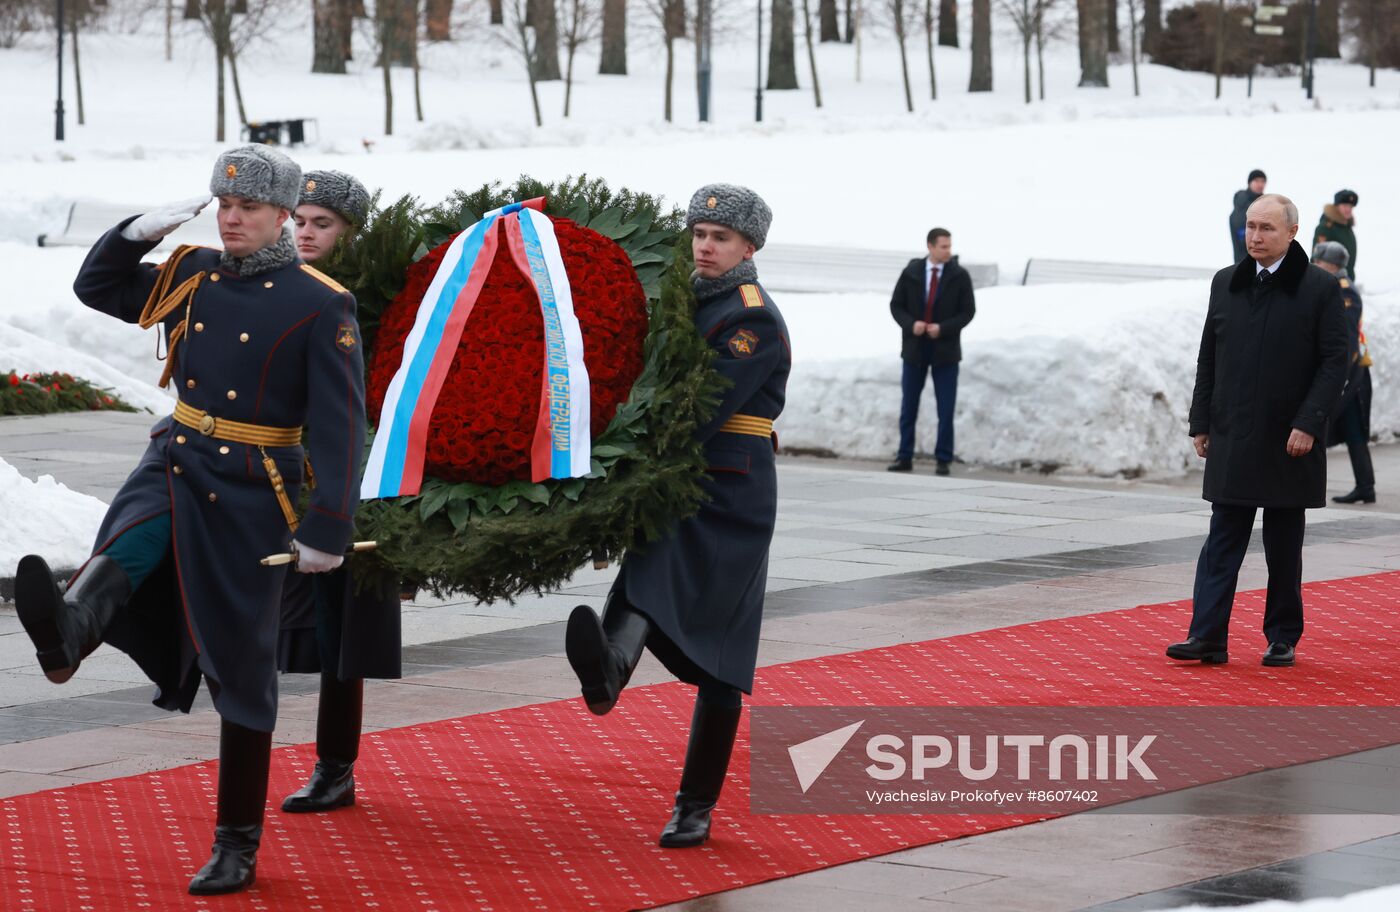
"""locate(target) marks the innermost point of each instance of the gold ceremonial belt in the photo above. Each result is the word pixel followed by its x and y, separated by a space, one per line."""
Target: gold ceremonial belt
pixel 748 424
pixel 236 431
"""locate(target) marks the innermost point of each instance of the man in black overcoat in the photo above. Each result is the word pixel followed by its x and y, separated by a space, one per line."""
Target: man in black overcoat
pixel 695 597
pixel 259 345
pixel 1272 362
pixel 932 303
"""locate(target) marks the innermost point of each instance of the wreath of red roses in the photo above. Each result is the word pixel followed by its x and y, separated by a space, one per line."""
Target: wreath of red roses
pixel 484 420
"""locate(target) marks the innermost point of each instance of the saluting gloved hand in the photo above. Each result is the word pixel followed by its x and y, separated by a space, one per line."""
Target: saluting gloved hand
pixel 309 560
pixel 157 223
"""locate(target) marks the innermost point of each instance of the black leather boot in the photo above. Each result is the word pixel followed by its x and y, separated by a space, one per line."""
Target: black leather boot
pixel 712 731
pixel 1366 495
pixel 338 718
pixel 67 626
pixel 604 654
pixel 245 756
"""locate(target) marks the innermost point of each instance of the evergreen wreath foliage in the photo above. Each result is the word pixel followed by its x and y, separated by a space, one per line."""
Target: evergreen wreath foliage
pixel 498 542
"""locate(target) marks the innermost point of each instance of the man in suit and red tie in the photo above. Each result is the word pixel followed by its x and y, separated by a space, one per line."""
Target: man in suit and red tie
pixel 932 302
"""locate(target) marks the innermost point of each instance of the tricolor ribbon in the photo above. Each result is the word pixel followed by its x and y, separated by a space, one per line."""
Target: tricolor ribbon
pixel 561 444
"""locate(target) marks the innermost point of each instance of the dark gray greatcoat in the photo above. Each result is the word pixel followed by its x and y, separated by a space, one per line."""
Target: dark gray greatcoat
pixel 279 349
pixel 702 585
pixel 1273 357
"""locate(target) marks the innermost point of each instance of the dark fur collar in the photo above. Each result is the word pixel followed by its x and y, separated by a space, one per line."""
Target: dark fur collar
pixel 1289 276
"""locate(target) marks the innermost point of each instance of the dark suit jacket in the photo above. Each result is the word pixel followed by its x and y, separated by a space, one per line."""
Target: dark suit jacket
pixel 953 309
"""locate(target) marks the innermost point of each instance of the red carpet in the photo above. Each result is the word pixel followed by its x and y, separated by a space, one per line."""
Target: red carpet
pixel 546 807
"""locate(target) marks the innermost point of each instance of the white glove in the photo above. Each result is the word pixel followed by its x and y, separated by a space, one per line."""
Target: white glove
pixel 157 223
pixel 309 560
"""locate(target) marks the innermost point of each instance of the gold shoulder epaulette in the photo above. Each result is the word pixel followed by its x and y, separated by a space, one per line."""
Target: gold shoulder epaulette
pixel 751 295
pixel 321 277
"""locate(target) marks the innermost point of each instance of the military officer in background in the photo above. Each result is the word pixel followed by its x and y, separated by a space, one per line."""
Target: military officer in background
pixel 258 345
pixel 695 597
pixel 330 626
pixel 1351 424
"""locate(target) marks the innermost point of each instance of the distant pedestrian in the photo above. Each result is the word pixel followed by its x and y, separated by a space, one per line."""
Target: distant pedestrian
pixel 932 303
pixel 1351 424
pixel 1243 200
pixel 1270 370
pixel 1338 223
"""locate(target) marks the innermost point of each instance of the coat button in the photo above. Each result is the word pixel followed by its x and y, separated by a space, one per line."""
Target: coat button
pixel 232 394
pixel 213 497
pixel 242 337
pixel 177 470
pixel 223 450
pixel 190 384
pixel 180 438
pixel 267 284
pixel 199 327
pixel 214 277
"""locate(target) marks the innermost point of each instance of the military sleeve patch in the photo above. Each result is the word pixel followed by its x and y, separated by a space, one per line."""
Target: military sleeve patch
pixel 743 343
pixel 345 337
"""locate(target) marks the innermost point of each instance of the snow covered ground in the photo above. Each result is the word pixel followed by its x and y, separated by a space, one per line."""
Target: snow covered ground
pixel 1088 378
pixel 53 521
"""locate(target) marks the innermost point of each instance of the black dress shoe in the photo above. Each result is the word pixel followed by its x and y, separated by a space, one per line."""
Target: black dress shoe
pixel 942 468
pixel 332 785
pixel 1357 495
pixel 234 864
pixel 900 465
pixel 1194 650
pixel 1280 655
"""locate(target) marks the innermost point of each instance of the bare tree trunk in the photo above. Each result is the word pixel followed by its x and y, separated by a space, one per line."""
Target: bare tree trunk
pixel 1040 50
pixel 330 20
pixel 1026 32
pixel 169 28
pixel 546 40
pixel 670 72
pixel 386 30
pixel 498 13
pixel 77 68
pixel 1133 43
pixel 676 18
pixel 948 23
pixel 981 80
pixel 831 25
pixel 928 33
pixel 237 86
pixel 1220 47
pixel 782 50
pixel 1111 25
pixel 900 23
pixel 1151 25
pixel 1093 44
pixel 1329 31
pixel 811 53
pixel 219 93
pixel 439 16
pixel 1371 26
pixel 403 44
pixel 417 84
pixel 613 61
pixel 191 9
pixel 850 21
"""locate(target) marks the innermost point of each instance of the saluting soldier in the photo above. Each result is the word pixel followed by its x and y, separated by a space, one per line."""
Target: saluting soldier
pixel 258 345
pixel 329 626
pixel 695 597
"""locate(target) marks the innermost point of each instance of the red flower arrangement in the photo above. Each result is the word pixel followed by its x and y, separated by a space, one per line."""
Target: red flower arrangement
pixel 484 420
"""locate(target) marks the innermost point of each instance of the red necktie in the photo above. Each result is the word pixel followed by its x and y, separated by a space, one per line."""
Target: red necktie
pixel 932 293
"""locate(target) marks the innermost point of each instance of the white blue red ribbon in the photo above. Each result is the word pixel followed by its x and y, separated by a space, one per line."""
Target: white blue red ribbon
pixel 561 444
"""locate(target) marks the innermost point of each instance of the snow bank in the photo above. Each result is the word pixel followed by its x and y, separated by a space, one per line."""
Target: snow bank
pixel 1087 378
pixel 44 517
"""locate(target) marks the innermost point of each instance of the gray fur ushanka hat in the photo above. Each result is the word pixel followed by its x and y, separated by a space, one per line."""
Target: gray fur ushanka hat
pixel 734 207
pixel 257 172
pixel 338 192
